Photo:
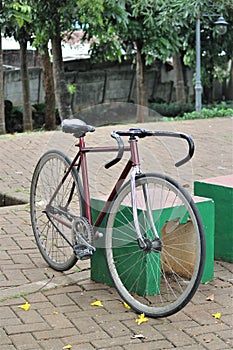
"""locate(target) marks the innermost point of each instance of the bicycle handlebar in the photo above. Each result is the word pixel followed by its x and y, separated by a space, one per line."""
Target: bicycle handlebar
pixel 141 133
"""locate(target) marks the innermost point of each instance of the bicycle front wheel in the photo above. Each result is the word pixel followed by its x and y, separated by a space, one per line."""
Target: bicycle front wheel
pixel 160 282
pixel 52 218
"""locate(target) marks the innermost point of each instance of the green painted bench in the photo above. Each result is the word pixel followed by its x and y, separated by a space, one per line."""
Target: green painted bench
pixel 220 189
pixel 99 270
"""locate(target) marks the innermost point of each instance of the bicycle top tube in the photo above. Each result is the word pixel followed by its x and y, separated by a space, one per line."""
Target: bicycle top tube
pixel 79 129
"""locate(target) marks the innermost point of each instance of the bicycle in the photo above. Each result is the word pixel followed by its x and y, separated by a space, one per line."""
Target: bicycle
pixel 154 237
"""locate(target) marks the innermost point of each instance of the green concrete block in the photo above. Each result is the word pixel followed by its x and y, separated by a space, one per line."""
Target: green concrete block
pixel 220 189
pixel 206 209
pixel 99 269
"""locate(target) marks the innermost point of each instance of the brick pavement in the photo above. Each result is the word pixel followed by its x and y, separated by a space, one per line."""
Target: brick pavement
pixel 60 312
pixel 213 155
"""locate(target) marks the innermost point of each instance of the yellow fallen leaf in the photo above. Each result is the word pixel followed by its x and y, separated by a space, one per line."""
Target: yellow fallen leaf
pixel 25 306
pixel 126 305
pixel 67 347
pixel 141 319
pixel 97 303
pixel 54 312
pixel 217 315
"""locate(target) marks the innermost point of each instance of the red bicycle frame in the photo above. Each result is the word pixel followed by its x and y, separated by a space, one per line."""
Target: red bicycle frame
pixel 83 150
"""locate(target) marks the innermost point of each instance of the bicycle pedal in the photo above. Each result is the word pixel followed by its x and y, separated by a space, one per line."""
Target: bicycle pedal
pixel 83 252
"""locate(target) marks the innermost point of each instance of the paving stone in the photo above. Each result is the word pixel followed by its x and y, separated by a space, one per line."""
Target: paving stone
pixel 58 321
pixel 214 328
pixel 101 336
pixel 59 299
pixel 55 333
pixel 26 328
pixel 6 313
pixel 191 347
pixel 25 342
pixel 4 339
pixel 4 322
pixel 51 344
pixel 113 342
pixel 212 341
pixel 160 344
pixel 179 338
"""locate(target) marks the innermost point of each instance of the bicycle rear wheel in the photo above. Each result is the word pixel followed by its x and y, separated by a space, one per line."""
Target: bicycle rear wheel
pixel 157 283
pixel 52 223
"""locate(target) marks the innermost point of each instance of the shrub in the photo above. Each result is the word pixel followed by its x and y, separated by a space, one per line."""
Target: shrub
pixel 38 115
pixel 172 110
pixel 206 113
pixel 13 117
pixel 209 113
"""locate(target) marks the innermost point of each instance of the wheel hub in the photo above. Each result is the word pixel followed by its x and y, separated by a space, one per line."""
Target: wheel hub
pixel 155 245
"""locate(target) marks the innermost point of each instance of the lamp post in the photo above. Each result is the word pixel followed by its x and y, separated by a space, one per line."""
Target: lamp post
pixel 221 28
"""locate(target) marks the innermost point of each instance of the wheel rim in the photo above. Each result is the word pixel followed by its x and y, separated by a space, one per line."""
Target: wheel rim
pixel 157 284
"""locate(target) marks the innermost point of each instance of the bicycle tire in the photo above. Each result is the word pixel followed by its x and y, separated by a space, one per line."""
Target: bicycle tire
pixel 157 284
pixel 47 174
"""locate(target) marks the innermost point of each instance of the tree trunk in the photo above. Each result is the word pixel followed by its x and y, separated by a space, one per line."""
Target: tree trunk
pixel 142 101
pixel 27 111
pixel 50 117
pixel 61 91
pixel 229 92
pixel 179 79
pixel 2 108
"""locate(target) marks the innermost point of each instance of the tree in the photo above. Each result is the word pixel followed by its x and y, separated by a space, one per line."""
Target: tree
pixel 229 91
pixel 2 112
pixel 216 49
pixel 63 16
pixel 23 38
pixel 50 104
pixel 16 17
pixel 42 32
pixel 179 78
pixel 149 34
pixel 13 17
pixel 62 93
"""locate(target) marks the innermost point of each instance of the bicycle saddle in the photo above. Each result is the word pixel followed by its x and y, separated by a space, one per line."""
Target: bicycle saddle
pixel 76 127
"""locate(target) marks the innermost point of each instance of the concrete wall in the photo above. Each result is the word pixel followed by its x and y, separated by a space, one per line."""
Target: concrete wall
pixel 96 83
pixel 13 86
pixel 11 58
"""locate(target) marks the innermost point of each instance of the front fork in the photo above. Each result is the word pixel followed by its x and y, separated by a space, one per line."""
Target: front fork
pixel 144 243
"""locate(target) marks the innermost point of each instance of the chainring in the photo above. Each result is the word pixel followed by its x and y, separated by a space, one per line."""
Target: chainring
pixel 82 231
